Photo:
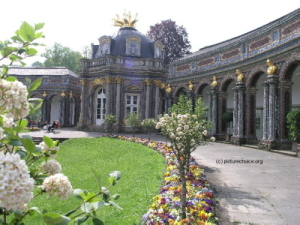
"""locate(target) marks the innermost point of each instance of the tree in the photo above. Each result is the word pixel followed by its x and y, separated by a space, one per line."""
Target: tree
pixel 37 64
pixel 87 52
pixel 173 37
pixel 59 55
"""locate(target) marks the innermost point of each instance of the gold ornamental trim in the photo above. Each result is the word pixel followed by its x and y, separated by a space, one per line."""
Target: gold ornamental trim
pixel 83 82
pixel 126 21
pixel 240 76
pixel 214 83
pixel 272 68
pixel 98 81
pixel 119 80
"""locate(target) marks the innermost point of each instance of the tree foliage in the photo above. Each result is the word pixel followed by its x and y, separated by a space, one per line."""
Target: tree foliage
pixel 59 55
pixel 173 37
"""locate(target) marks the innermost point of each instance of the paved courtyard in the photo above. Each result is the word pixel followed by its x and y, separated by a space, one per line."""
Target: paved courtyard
pixel 263 191
pixel 253 186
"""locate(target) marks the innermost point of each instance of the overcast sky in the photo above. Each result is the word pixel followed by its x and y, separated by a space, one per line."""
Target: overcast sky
pixel 76 24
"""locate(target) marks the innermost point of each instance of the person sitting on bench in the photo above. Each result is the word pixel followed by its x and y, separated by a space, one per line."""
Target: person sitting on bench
pixel 52 126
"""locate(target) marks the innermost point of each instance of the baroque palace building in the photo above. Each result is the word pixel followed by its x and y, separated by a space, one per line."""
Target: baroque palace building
pixel 255 76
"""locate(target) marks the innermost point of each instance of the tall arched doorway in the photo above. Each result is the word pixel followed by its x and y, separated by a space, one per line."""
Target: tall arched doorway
pixel 100 106
pixel 55 108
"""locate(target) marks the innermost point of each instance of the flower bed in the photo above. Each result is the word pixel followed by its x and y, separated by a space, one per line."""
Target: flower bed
pixel 201 204
pixel 32 128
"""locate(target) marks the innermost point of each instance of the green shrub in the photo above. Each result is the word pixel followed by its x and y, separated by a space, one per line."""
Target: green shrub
pixel 293 125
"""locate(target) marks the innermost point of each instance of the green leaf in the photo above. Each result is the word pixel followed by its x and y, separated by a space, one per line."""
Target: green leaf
pixel 81 220
pixel 26 136
pixel 39 26
pixel 115 205
pixel 112 180
pixel 78 193
pixel 70 212
pixel 55 219
pixel 11 78
pixel 26 32
pixel 22 123
pixel 4 69
pixel 98 204
pixel 13 57
pixel 86 207
pixel 97 221
pixel 48 141
pixel 15 142
pixel 98 178
pixel 35 84
pixel 31 51
pixel 34 210
pixel 22 154
pixel 28 144
pixel 38 35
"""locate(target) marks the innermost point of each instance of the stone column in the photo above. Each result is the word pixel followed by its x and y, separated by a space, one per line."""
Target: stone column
pixel 62 118
pixel 214 110
pixel 235 113
pixel 45 108
pixel 191 96
pixel 241 109
pixel 157 101
pixel 168 101
pixel 265 111
pixel 273 107
pixel 83 101
pixel 239 113
pixel 147 103
pixel 118 99
pixel 109 95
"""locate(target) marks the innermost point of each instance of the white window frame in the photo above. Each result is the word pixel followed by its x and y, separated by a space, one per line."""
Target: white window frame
pixel 131 105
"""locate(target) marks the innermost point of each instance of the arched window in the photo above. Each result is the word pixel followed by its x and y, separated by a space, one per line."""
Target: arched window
pixel 100 106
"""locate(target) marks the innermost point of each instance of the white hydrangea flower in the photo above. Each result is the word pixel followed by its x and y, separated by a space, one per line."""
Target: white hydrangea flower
pixel 16 185
pixel 58 184
pixel 51 167
pixel 48 150
pixel 13 99
pixel 8 121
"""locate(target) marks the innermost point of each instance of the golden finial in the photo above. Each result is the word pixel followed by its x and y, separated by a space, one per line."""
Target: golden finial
pixel 215 82
pixel 45 94
pixel 191 86
pixel 240 76
pixel 272 68
pixel 63 94
pixel 126 21
pixel 168 88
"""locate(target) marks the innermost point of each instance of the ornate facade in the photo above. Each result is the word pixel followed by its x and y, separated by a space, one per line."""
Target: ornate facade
pixel 255 76
pixel 126 74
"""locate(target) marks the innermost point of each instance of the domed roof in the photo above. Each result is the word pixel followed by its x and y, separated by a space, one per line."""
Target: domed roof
pixel 119 41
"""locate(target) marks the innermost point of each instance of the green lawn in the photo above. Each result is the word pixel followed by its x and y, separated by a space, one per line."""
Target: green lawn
pixel 142 170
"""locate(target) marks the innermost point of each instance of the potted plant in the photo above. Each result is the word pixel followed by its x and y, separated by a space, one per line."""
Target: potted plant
pixel 293 125
pixel 227 118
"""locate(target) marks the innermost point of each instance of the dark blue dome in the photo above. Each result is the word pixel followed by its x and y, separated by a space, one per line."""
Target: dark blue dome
pixel 118 43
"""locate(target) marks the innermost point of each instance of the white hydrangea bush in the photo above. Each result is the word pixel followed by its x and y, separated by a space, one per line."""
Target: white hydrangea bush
pixel 16 185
